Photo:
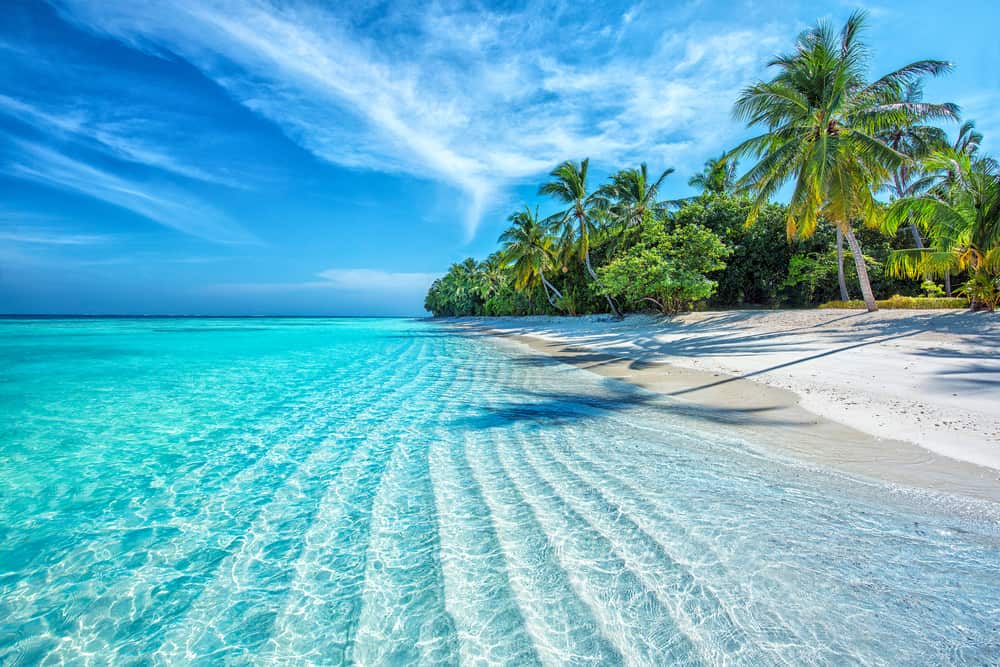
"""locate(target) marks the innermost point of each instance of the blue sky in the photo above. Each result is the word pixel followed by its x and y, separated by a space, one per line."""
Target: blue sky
pixel 215 157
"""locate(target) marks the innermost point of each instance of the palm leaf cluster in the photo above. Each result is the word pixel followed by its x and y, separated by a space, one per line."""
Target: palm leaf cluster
pixel 960 214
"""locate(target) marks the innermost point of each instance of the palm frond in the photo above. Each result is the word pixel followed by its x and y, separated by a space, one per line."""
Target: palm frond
pixel 916 263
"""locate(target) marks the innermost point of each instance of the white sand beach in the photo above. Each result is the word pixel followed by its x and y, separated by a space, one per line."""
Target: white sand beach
pixel 880 383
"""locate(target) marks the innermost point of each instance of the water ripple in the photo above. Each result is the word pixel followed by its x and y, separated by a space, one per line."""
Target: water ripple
pixel 385 492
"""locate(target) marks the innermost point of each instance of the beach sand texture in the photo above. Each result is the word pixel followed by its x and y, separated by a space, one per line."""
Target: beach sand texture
pixel 907 396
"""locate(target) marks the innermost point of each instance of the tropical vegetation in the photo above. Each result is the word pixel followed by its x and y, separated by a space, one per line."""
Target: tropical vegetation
pixel 862 160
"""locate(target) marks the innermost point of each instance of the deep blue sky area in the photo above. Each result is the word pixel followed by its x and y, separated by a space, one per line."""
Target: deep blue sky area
pixel 215 157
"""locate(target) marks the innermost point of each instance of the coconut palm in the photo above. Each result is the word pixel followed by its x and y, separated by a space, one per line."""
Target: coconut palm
pixel 630 196
pixel 962 220
pixel 916 140
pixel 467 279
pixel 968 139
pixel 822 125
pixel 528 247
pixel 492 275
pixel 966 143
pixel 717 178
pixel 569 186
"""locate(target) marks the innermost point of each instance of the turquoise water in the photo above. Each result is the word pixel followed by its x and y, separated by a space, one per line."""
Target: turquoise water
pixel 389 492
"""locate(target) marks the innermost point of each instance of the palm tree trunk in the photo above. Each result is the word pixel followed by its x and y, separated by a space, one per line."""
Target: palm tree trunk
pixel 844 296
pixel 859 264
pixel 586 262
pixel 549 286
pixel 593 276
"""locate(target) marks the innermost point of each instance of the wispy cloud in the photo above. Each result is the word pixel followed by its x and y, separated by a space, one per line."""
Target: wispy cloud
pixel 158 202
pixel 31 227
pixel 373 279
pixel 52 237
pixel 121 138
pixel 474 99
pixel 362 281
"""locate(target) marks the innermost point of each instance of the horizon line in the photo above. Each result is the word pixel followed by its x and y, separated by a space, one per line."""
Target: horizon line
pixel 40 316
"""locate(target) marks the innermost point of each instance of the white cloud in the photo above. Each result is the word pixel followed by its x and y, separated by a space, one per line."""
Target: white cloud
pixel 474 99
pixel 159 203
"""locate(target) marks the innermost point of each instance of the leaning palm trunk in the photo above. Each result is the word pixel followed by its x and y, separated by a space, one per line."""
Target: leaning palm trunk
pixel 841 280
pixel 859 264
pixel 550 289
pixel 593 276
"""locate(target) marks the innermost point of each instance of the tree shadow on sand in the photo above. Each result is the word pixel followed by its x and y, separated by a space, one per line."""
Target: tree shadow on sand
pixel 614 396
pixel 735 334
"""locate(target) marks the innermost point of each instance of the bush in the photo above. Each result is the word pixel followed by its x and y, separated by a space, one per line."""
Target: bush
pixel 760 253
pixel 932 289
pixel 665 268
pixel 983 291
pixel 897 302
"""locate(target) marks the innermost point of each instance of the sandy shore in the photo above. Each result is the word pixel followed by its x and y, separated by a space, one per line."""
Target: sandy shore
pixel 911 397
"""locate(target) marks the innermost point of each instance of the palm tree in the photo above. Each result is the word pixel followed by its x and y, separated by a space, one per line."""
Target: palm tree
pixel 916 140
pixel 822 131
pixel 966 143
pixel 569 186
pixel 492 275
pixel 962 219
pixel 630 196
pixel 717 178
pixel 527 245
pixel 467 277
pixel 968 139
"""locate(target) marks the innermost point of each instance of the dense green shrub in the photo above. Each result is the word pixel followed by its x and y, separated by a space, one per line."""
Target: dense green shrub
pixel 760 254
pixel 666 268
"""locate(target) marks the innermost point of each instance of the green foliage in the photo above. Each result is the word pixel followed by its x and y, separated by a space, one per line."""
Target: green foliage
pixel 902 303
pixel 809 273
pixel 717 178
pixel 666 268
pixel 760 253
pixel 763 267
pixel 931 289
pixel 486 288
pixel 812 277
pixel 961 215
pixel 983 291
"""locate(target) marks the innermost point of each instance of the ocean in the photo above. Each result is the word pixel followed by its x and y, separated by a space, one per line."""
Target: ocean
pixel 394 491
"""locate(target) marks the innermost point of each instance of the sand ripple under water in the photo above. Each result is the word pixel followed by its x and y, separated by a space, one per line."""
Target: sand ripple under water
pixel 390 492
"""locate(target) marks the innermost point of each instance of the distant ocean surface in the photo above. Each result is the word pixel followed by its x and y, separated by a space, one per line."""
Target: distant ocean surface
pixel 389 491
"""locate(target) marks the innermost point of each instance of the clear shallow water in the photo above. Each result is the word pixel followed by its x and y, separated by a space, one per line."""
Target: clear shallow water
pixel 387 492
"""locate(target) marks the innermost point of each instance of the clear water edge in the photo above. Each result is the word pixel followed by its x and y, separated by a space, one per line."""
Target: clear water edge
pixel 389 492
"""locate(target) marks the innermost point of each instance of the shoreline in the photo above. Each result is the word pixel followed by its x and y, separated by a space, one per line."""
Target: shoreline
pixel 773 416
